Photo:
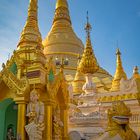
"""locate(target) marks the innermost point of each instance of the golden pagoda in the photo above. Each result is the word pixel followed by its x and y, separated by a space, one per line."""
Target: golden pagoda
pixel 89 64
pixel 62 42
pixel 33 99
pixel 30 36
pixel 119 74
pixel 93 98
pixel 44 80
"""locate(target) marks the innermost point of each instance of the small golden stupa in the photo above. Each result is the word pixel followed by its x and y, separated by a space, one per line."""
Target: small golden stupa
pixel 88 63
pixel 119 74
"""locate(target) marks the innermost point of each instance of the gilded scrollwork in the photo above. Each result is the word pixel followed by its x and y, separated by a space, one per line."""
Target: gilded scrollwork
pixel 20 87
pixel 15 58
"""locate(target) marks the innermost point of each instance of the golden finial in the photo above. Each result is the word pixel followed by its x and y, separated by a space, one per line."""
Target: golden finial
pixel 118 52
pixel 136 72
pixel 62 11
pixel 119 63
pixel 61 3
pixel 119 74
pixel 30 35
pixel 88 29
pixel 88 63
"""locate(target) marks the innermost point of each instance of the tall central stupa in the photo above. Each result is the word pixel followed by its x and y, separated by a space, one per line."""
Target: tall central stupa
pixel 62 42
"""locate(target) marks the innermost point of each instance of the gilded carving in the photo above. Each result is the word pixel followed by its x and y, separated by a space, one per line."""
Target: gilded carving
pixel 118 124
pixel 57 125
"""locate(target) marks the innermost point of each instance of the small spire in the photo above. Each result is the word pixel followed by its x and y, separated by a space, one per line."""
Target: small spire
pixel 119 74
pixel 30 35
pixel 136 72
pixel 62 11
pixel 118 52
pixel 88 29
pixel 119 62
pixel 88 63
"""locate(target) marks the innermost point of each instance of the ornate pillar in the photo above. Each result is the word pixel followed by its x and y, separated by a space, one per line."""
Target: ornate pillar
pixel 64 117
pixel 19 72
pixel 21 122
pixel 48 121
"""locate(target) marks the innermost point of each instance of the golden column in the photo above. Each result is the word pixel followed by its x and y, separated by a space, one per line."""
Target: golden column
pixel 19 72
pixel 48 121
pixel 64 118
pixel 21 122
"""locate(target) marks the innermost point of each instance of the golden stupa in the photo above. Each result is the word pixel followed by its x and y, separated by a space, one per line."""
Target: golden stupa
pixel 33 99
pixel 37 93
pixel 89 64
pixel 119 74
pixel 62 42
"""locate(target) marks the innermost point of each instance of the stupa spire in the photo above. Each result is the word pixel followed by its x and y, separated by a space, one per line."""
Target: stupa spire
pixel 136 72
pixel 62 11
pixel 88 63
pixel 88 29
pixel 61 3
pixel 119 74
pixel 30 35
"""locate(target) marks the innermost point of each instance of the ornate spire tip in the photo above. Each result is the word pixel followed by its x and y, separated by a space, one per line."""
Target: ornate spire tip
pixel 88 26
pixel 61 3
pixel 136 70
pixel 118 52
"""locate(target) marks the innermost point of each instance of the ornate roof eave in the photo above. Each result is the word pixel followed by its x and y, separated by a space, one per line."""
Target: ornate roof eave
pixel 19 87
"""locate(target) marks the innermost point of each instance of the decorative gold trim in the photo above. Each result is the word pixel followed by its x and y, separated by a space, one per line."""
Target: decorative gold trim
pixel 62 53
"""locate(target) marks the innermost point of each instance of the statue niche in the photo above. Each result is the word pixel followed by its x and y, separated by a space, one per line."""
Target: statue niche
pixel 35 113
pixel 10 134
